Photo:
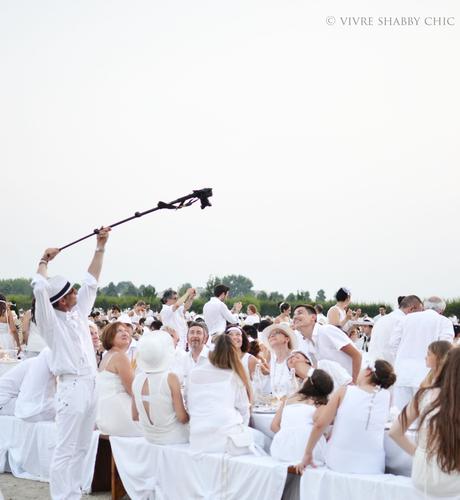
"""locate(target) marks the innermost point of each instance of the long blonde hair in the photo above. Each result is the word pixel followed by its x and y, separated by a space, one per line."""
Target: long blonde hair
pixel 226 356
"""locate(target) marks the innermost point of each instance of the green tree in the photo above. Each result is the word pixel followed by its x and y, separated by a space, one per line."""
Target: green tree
pixel 239 285
pixel 183 288
pixel 147 291
pixel 276 297
pixel 303 296
pixel 291 297
pixel 262 295
pixel 320 296
pixel 19 286
pixel 210 284
pixel 127 288
pixel 110 290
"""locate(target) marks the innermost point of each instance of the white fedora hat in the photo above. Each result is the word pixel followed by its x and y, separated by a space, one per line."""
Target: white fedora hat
pixel 282 327
pixel 155 352
pixel 58 287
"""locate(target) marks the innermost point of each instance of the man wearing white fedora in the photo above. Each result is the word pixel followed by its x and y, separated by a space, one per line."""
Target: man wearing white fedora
pixel 62 317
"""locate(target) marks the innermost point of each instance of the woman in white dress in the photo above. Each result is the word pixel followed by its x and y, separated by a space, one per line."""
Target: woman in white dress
pixel 293 421
pixel 9 338
pixel 285 314
pixel 340 314
pixel 157 393
pixel 241 343
pixel 31 334
pixel 113 383
pixel 436 465
pixel 280 340
pixel 218 403
pixel 359 413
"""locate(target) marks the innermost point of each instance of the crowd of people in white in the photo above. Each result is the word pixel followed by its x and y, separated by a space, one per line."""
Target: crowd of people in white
pixel 336 381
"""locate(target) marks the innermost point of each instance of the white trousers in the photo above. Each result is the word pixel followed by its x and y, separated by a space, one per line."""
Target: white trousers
pixel 75 420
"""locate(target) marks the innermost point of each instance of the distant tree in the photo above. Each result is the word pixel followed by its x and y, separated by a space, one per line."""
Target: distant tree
pixel 276 296
pixel 127 288
pixel 110 290
pixel 291 297
pixel 303 296
pixel 262 295
pixel 183 288
pixel 19 286
pixel 239 285
pixel 210 284
pixel 147 291
pixel 320 296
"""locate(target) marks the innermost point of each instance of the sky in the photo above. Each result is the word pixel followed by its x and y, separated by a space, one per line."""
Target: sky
pixel 328 133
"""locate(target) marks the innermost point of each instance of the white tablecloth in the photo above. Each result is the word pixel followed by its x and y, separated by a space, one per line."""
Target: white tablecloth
pixel 323 484
pixel 157 472
pixel 26 449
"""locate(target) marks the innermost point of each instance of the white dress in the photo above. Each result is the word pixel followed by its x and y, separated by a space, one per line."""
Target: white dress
pixel 279 377
pixel 290 441
pixel 114 407
pixel 356 444
pixel 160 425
pixel 219 411
pixel 6 338
pixel 35 343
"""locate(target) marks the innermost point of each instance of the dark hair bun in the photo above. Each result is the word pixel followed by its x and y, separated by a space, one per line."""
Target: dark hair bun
pixel 384 376
pixel 342 294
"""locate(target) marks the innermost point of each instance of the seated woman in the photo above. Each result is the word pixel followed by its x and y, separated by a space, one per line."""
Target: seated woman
pixel 218 403
pixel 359 413
pixel 241 343
pixel 436 465
pixel 113 384
pixel 435 357
pixel 280 340
pixel 293 421
pixel 285 314
pixel 158 402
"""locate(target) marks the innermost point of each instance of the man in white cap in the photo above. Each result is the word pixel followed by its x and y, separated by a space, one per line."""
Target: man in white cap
pixel 410 341
pixel 62 317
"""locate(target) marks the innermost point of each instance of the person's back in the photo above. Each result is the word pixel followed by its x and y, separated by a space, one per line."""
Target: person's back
pixel 158 418
pixel 10 385
pixel 417 331
pixel 356 444
pixel 379 345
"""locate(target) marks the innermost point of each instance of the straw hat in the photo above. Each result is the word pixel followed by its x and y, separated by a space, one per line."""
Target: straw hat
pixel 155 352
pixel 283 328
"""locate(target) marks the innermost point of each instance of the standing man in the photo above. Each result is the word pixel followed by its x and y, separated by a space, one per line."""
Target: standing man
pixel 216 313
pixel 379 346
pixel 173 312
pixel 62 317
pixel 410 340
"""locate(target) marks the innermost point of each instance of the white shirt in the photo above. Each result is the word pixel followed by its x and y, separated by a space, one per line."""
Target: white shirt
pixel 67 333
pixel 410 341
pixel 329 341
pixel 216 315
pixel 252 319
pixel 175 319
pixel 379 346
pixel 321 319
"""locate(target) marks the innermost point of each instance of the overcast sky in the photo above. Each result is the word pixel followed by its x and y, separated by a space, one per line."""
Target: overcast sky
pixel 333 150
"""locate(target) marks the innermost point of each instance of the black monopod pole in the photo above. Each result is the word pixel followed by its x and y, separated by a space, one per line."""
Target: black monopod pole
pixel 200 194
